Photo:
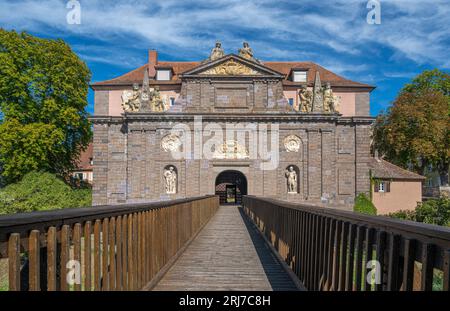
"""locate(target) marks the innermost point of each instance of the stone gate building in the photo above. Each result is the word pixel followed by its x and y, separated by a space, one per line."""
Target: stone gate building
pixel 321 122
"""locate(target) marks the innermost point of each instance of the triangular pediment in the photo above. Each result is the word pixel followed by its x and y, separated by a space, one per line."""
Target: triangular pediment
pixel 232 65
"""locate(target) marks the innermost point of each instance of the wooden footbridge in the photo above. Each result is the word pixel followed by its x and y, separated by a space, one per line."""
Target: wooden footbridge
pixel 195 244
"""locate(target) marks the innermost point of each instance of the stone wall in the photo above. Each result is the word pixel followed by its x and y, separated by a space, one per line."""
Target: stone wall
pixel 332 161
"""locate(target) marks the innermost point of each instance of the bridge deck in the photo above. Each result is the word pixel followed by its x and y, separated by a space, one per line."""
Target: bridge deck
pixel 228 254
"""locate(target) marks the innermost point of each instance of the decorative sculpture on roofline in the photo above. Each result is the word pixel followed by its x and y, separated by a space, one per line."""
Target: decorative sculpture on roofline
pixel 320 99
pixel 144 99
pixel 247 52
pixel 217 52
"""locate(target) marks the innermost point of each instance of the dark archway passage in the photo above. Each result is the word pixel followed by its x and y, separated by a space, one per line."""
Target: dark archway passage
pixel 231 186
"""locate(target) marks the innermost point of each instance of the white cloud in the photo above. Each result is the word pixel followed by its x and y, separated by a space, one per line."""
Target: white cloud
pixel 414 29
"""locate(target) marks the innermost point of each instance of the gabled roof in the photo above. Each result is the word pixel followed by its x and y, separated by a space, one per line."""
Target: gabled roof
pixel 386 170
pixel 284 68
pixel 257 67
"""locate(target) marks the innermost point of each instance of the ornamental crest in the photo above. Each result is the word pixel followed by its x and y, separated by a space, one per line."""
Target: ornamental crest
pixel 292 143
pixel 230 68
pixel 170 142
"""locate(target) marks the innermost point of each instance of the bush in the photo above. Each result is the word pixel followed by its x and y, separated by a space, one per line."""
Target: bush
pixel 404 214
pixel 435 212
pixel 39 191
pixel 364 205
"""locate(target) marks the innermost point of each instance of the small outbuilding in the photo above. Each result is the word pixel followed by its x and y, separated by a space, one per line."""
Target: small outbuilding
pixel 394 188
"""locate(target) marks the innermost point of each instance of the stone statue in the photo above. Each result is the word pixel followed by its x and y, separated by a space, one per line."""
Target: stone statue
pixel 156 102
pixel 291 176
pixel 217 52
pixel 246 52
pixel 144 99
pixel 131 99
pixel 305 99
pixel 170 177
pixel 328 99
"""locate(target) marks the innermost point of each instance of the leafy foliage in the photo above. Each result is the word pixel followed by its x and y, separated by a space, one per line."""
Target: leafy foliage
pixel 41 191
pixel 436 212
pixel 416 129
pixel 364 205
pixel 43 96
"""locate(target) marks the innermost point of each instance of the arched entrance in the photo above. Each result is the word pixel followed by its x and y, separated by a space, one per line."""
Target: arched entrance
pixel 231 186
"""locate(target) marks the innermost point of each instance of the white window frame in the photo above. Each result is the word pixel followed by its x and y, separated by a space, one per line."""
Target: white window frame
pixel 382 187
pixel 300 75
pixel 163 74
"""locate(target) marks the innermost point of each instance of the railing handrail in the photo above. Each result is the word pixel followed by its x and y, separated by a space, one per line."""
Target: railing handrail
pixel 330 249
pixel 24 222
pixel 385 222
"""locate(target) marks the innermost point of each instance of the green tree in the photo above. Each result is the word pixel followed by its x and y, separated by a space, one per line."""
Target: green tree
pixel 416 129
pixel 43 99
pixel 39 191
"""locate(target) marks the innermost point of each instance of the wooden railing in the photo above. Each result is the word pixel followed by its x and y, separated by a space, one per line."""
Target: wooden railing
pixel 336 250
pixel 122 247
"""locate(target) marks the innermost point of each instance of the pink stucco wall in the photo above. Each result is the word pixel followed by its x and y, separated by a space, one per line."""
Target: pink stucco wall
pixel 404 195
pixel 347 106
pixel 115 103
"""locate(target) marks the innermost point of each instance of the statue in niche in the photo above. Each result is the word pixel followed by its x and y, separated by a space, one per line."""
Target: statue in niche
pixel 305 99
pixel 217 52
pixel 170 177
pixel 131 100
pixel 329 99
pixel 291 176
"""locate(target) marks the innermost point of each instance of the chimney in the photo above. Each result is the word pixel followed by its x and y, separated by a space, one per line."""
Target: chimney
pixel 152 62
pixel 153 57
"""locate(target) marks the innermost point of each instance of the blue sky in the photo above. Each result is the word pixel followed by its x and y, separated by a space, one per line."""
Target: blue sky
pixel 114 36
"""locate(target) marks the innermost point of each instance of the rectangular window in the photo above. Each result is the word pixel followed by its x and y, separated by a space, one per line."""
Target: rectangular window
pixel 299 76
pixel 172 101
pixel 163 75
pixel 291 101
pixel 383 186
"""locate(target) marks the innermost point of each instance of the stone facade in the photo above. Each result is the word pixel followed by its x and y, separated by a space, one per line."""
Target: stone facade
pixel 331 161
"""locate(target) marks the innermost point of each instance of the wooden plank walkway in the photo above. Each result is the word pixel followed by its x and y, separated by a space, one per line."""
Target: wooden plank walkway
pixel 228 254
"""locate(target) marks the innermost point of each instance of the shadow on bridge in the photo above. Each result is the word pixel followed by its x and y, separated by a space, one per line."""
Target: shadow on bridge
pixel 275 273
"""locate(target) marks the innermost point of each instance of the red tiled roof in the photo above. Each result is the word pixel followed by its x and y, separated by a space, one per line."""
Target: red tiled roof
pixel 84 162
pixel 137 75
pixel 386 170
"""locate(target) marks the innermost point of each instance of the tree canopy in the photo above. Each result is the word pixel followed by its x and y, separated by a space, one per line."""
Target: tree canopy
pixel 415 131
pixel 43 99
